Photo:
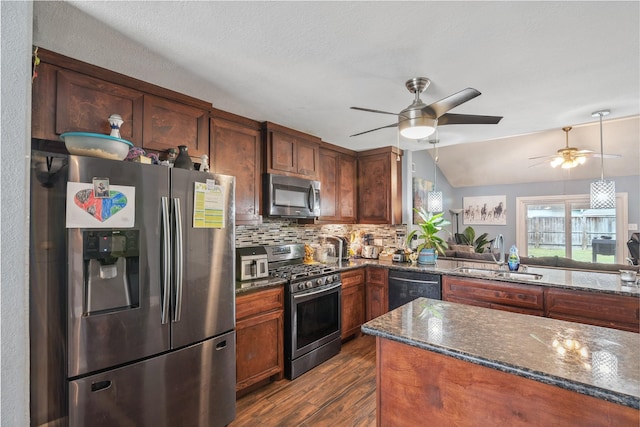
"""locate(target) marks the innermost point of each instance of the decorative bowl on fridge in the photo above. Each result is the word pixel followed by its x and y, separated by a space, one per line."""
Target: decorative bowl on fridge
pixel 96 145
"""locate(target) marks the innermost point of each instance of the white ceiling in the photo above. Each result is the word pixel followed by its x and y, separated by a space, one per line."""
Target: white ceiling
pixel 541 65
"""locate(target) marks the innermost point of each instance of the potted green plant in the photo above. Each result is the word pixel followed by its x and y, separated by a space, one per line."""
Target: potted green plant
pixel 432 244
pixel 468 237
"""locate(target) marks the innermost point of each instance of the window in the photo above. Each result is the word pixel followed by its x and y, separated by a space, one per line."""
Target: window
pixel 565 226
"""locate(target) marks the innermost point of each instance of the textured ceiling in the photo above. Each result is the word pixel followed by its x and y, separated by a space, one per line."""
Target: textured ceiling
pixel 541 65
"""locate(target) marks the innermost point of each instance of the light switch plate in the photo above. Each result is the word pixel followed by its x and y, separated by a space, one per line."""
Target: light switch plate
pixel 633 227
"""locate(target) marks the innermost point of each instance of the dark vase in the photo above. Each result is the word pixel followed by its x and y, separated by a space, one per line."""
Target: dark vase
pixel 183 161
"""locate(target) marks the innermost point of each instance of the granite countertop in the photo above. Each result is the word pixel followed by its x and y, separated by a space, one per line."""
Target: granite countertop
pixel 259 284
pixel 605 282
pixel 595 361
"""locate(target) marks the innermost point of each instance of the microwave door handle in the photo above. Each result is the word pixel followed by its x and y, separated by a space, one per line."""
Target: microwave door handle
pixel 166 259
pixel 312 198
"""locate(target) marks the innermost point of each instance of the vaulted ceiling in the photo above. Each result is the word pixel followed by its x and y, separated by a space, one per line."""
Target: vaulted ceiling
pixel 541 65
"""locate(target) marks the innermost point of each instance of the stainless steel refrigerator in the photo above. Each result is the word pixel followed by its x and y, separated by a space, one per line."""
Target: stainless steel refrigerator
pixel 132 306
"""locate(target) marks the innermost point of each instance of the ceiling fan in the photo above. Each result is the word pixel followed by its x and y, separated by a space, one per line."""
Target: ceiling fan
pixel 419 120
pixel 570 157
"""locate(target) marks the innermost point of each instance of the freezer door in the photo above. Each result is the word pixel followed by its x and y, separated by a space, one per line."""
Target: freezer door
pixel 204 272
pixel 111 322
pixel 193 386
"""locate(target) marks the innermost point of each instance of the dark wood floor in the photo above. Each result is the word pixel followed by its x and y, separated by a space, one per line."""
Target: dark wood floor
pixel 340 392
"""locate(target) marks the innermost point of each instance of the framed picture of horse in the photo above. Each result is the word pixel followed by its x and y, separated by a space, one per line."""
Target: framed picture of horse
pixel 484 210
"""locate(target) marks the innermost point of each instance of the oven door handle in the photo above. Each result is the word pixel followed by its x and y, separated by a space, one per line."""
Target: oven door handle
pixel 315 291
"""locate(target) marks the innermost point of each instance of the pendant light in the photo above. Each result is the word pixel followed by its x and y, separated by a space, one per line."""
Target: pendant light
pixel 603 193
pixel 434 198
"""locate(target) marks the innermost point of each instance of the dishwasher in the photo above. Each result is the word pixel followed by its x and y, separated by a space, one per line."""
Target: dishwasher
pixel 405 286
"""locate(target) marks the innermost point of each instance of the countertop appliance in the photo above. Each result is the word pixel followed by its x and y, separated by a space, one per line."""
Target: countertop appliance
pixel 251 263
pixel 312 322
pixel 132 294
pixel 405 286
pixel 341 246
pixel 289 196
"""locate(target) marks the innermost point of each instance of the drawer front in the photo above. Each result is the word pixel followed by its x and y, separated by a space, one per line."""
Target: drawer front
pixel 259 302
pixel 352 278
pixel 510 294
pixel 602 309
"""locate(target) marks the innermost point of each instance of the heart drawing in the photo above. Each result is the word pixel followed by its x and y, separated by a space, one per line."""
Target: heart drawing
pixel 100 208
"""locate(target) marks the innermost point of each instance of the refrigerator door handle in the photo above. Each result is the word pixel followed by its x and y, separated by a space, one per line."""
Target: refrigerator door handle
pixel 166 259
pixel 178 259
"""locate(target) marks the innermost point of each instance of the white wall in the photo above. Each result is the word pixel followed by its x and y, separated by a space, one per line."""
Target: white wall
pixel 15 134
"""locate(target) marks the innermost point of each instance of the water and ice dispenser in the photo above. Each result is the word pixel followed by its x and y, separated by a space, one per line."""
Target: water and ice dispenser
pixel 111 270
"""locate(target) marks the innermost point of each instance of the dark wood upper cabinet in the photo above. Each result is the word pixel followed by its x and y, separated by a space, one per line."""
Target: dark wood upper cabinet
pixel 380 186
pixel 338 184
pixel 236 150
pixel 70 95
pixel 168 124
pixel 289 152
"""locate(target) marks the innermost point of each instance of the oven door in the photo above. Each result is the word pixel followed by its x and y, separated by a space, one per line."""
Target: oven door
pixel 313 319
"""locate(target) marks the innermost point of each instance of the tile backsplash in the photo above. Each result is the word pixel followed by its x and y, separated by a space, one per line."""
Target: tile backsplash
pixel 276 232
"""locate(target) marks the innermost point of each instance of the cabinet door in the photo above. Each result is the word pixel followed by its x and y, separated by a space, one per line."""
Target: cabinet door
pixel 380 188
pixel 353 310
pixel 235 150
pixel 612 311
pixel 84 104
pixel 329 180
pixel 377 288
pixel 353 302
pixel 346 198
pixel 284 152
pixel 259 348
pixel 168 124
pixel 308 159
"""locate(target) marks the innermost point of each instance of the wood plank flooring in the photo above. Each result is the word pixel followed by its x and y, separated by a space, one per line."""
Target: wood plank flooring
pixel 340 392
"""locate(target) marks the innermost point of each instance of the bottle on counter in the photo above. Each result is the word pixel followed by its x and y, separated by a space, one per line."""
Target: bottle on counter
pixel 514 259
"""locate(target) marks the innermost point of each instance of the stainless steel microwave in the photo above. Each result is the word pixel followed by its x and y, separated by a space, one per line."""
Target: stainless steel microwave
pixel 289 196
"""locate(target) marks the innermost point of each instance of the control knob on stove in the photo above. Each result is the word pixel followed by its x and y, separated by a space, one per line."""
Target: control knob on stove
pixel 301 286
pixel 330 279
pixel 319 281
pixel 336 278
pixel 309 284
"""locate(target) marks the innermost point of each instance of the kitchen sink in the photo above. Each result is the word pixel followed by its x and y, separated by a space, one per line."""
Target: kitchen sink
pixel 497 273
pixel 518 276
pixel 476 271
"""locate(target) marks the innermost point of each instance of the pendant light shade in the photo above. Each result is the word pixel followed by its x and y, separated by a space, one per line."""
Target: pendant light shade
pixel 434 198
pixel 603 193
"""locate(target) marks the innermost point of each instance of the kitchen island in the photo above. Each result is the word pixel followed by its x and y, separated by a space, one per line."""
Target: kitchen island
pixel 455 364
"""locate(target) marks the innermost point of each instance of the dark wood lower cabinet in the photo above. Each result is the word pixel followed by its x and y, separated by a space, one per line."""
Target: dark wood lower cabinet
pixel 353 305
pixel 524 299
pixel 377 292
pixel 259 337
pixel 420 387
pixel 612 311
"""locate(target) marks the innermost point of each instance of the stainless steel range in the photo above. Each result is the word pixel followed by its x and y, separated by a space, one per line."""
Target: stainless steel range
pixel 312 308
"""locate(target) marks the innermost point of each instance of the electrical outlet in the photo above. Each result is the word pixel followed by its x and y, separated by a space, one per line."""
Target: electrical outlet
pixel 633 227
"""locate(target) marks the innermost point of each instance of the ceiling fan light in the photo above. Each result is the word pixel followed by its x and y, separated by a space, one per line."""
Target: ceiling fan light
pixel 557 161
pixel 417 127
pixel 582 160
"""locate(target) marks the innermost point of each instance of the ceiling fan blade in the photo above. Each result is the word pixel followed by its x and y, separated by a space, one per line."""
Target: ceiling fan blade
pixel 607 156
pixel 371 130
pixel 373 111
pixel 468 119
pixel 542 157
pixel 438 108
pixel 584 152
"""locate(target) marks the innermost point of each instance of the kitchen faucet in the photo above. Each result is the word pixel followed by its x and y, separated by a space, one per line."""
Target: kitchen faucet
pixel 498 243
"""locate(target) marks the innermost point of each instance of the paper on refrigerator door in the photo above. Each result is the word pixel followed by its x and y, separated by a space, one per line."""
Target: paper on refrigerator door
pixel 208 205
pixel 85 210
